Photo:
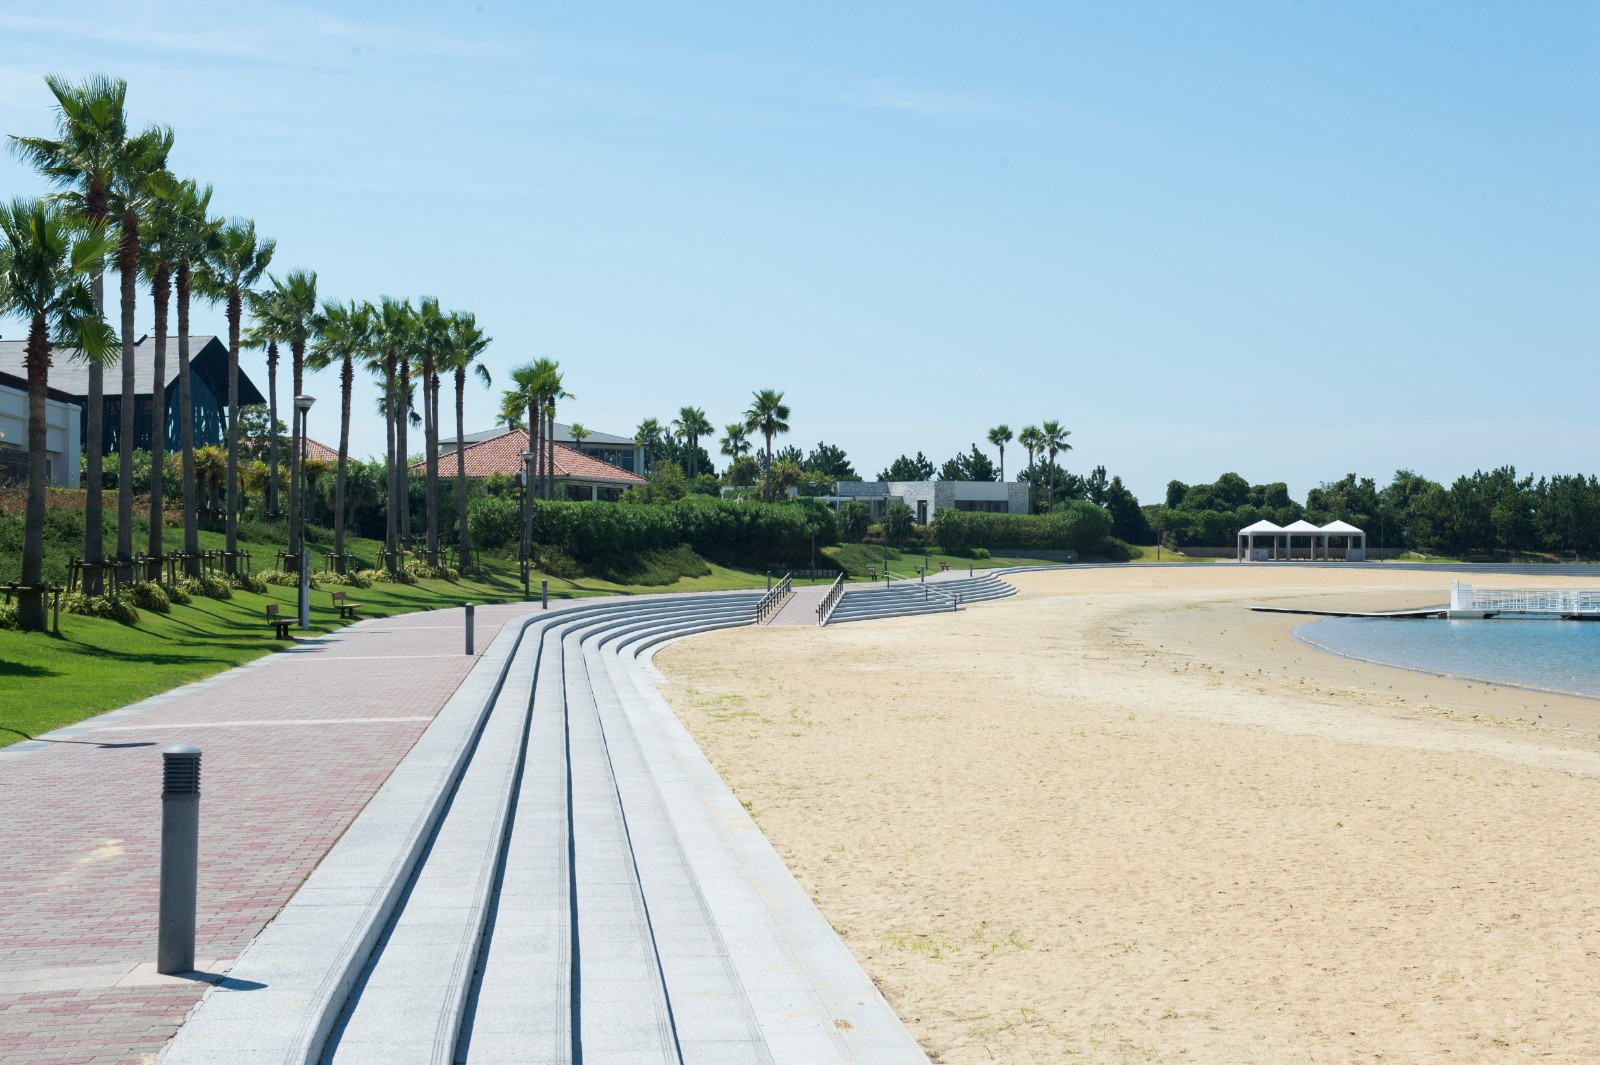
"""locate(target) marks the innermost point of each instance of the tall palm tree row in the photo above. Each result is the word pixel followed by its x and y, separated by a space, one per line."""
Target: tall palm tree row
pixel 1054 439
pixel 286 311
pixel 158 229
pixel 769 416
pixel 46 261
pixel 235 262
pixel 391 327
pixel 263 335
pixel 344 333
pixel 193 231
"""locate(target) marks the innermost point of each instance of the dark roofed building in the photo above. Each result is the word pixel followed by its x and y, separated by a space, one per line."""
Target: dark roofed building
pixel 208 371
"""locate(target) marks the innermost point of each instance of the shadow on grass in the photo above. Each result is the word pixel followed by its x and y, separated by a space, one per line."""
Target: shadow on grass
pixel 22 669
pixel 80 743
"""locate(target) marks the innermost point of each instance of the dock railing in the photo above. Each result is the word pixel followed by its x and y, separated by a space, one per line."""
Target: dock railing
pixel 772 602
pixel 1562 602
pixel 831 600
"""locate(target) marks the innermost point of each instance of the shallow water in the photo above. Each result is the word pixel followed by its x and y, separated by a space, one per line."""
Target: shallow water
pixel 1555 655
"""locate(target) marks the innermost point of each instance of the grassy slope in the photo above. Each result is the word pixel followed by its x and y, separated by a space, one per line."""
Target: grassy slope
pixel 97 665
pixel 856 558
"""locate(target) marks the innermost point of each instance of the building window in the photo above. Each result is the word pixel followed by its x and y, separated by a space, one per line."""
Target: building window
pixel 985 506
pixel 922 512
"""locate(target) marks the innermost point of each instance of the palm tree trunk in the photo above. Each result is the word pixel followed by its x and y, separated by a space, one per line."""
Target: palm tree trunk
pixel 535 473
pixel 234 309
pixel 430 434
pixel 30 605
pixel 347 381
pixel 1002 464
pixel 191 515
pixel 402 421
pixel 391 528
pixel 766 481
pixel 160 291
pixel 94 537
pixel 272 429
pixel 297 373
pixel 464 557
pixel 1050 492
pixel 128 268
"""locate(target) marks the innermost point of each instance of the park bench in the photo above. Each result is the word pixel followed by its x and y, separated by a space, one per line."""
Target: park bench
pixel 944 567
pixel 280 624
pixel 346 608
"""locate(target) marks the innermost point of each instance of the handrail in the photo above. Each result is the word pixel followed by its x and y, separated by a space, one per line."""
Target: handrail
pixel 773 600
pixel 831 600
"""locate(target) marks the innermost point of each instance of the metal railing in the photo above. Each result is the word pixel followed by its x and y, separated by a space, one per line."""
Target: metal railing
pixel 1464 597
pixel 772 602
pixel 831 600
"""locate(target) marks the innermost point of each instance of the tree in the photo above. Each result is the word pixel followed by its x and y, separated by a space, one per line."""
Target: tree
pixel 286 313
pixel 908 469
pixel 263 335
pixel 45 268
pixel 1055 439
pixel 135 182
pixel 690 425
pixel 235 263
pixel 343 334
pixel 433 335
pixel 827 460
pixel 81 162
pixel 467 344
pixel 972 466
pixel 192 233
pixel 783 475
pixel 1000 436
pixel 579 433
pixel 897 524
pixel 648 437
pixel 769 416
pixel 1095 486
pixel 735 444
pixel 161 225
pixel 391 325
pixel 853 518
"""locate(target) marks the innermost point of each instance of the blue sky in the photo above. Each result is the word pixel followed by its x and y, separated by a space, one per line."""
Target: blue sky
pixel 1292 240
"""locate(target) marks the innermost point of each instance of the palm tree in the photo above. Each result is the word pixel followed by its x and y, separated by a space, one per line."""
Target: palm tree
pixel 647 436
pixel 1055 439
pixel 236 262
pixel 551 392
pixel 467 342
pixel 135 182
pixel 192 234
pixel 689 424
pixel 160 227
pixel 785 474
pixel 433 329
pixel 579 433
pixel 769 416
pixel 390 333
pixel 45 267
pixel 91 140
pixel 264 335
pixel 288 312
pixel 734 442
pixel 343 332
pixel 1000 436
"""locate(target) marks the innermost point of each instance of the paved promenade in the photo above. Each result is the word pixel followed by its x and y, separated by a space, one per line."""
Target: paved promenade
pixel 295 744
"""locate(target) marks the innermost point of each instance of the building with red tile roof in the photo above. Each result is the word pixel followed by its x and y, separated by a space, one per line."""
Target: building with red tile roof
pixel 577 476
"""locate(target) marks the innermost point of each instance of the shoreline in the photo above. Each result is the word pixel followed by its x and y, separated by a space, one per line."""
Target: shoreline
pixel 1120 817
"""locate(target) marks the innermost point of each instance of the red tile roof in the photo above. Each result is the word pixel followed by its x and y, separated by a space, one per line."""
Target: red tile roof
pixel 503 454
pixel 320 452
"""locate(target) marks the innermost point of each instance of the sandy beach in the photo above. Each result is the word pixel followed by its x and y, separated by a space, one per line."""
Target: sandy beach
pixel 1121 818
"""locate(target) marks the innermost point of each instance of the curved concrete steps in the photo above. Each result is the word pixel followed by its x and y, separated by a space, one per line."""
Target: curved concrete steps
pixel 555 874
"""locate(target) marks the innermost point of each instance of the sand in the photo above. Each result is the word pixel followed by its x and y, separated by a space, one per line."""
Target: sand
pixel 1120 818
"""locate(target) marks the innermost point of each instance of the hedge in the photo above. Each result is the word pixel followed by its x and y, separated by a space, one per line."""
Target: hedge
pixel 1075 526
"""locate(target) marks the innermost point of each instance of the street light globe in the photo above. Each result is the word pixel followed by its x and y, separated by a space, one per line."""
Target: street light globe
pixel 303 403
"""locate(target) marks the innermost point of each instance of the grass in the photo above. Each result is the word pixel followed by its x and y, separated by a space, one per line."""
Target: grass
pixel 903 562
pixel 96 665
pixel 1148 554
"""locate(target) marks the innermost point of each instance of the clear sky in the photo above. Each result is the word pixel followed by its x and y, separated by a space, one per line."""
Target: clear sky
pixel 1288 239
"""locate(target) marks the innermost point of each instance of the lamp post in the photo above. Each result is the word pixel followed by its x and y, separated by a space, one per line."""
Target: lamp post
pixel 302 406
pixel 527 519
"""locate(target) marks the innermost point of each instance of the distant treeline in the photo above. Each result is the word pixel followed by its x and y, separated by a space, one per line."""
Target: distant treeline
pixel 1495 512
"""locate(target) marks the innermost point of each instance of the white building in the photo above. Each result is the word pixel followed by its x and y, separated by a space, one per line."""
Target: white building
pixel 927 498
pixel 63 431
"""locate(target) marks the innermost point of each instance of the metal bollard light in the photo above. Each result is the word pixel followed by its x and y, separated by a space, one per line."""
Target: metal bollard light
pixel 180 858
pixel 470 609
pixel 544 595
pixel 769 580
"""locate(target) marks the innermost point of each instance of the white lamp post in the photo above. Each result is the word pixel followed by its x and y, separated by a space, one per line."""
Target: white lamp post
pixel 302 406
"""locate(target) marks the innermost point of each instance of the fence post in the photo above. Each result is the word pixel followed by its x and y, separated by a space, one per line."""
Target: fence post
pixel 470 609
pixel 180 858
pixel 544 595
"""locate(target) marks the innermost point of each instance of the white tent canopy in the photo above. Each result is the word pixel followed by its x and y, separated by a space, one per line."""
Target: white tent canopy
pixel 1248 552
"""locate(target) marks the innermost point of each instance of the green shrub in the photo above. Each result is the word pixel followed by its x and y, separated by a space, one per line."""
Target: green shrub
pixel 283 578
pixel 1076 526
pixel 352 579
pixel 249 582
pixel 111 606
pixel 557 563
pixel 1115 550
pixel 177 596
pixel 211 587
pixel 8 615
pixel 492 520
pixel 656 567
pixel 147 596
pixel 854 559
pixel 978 553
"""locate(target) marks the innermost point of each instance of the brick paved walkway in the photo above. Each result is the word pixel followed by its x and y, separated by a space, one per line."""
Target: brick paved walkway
pixel 295 743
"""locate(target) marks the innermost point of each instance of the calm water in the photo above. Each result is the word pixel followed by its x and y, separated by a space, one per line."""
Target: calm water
pixel 1563 655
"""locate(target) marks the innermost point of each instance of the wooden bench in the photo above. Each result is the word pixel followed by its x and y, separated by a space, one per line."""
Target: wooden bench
pixel 944 567
pixel 344 606
pixel 280 624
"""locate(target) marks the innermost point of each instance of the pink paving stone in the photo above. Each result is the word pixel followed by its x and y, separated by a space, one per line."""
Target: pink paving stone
pixel 80 823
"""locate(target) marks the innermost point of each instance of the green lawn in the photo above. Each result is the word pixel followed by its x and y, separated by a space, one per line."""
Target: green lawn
pixel 904 562
pixel 1148 554
pixel 96 665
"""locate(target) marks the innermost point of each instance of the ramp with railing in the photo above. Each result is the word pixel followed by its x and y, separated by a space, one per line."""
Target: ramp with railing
pixel 1469 602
